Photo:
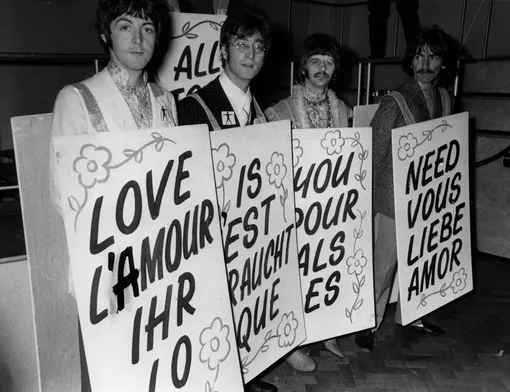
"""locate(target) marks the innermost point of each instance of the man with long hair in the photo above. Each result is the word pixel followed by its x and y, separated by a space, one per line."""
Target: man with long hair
pixel 429 59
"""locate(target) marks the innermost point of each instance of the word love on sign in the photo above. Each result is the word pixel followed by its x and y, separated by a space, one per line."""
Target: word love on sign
pixel 431 177
pixel 146 259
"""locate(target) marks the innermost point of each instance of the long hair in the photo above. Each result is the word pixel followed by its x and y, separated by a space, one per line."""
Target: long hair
pixel 439 43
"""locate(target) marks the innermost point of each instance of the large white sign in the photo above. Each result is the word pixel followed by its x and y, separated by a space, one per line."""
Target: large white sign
pixel 147 260
pixel 193 58
pixel 333 191
pixel 253 170
pixel 431 177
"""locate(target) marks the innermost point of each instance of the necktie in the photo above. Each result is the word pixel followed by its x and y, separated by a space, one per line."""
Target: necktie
pixel 244 115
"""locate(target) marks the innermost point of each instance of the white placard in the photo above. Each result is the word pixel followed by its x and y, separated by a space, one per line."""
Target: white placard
pixel 333 191
pixel 193 58
pixel 147 260
pixel 431 182
pixel 253 170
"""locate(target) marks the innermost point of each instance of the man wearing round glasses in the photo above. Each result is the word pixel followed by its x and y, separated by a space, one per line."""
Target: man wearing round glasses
pixel 227 102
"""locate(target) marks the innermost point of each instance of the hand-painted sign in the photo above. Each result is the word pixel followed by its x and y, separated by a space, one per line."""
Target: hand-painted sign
pixel 193 59
pixel 333 191
pixel 431 182
pixel 147 261
pixel 254 188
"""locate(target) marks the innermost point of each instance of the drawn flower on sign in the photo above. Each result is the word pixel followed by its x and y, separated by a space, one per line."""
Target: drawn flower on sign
pixel 459 281
pixel 406 146
pixel 286 330
pixel 277 170
pixel 285 333
pixel 215 348
pixel 215 344
pixel 356 263
pixel 458 284
pixel 224 162
pixel 297 151
pixel 92 165
pixel 333 142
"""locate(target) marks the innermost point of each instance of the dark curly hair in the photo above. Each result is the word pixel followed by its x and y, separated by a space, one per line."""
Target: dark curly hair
pixel 319 43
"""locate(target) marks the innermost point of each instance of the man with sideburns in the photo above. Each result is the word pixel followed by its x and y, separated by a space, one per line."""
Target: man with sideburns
pixel 430 59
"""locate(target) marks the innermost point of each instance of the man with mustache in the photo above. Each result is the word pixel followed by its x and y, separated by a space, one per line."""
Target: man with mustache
pixel 430 58
pixel 313 105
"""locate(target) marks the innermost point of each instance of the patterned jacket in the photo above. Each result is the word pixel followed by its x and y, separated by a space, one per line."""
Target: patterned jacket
pixel 387 117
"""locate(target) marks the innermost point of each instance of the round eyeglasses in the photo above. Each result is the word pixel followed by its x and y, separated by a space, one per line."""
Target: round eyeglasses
pixel 243 47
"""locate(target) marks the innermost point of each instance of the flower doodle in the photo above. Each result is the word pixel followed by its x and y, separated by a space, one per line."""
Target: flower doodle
pixel 333 142
pixel 285 333
pixel 215 344
pixel 297 151
pixel 215 348
pixel 407 144
pixel 286 330
pixel 92 165
pixel 224 162
pixel 356 263
pixel 458 284
pixel 459 281
pixel 277 170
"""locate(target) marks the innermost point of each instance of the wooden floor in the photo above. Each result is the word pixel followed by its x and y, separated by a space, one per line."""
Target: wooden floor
pixel 473 355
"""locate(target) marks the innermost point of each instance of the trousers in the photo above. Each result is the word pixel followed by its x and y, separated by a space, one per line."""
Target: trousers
pixel 385 266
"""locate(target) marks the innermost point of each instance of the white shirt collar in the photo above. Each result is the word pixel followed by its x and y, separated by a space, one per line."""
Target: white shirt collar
pixel 235 95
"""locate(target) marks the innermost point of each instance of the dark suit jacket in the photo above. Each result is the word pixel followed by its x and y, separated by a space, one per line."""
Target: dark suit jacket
pixel 190 112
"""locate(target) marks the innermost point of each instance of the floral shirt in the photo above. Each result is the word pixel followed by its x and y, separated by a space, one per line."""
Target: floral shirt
pixel 317 106
pixel 137 97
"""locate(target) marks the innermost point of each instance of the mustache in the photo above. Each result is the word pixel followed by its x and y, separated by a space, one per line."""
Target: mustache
pixel 317 74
